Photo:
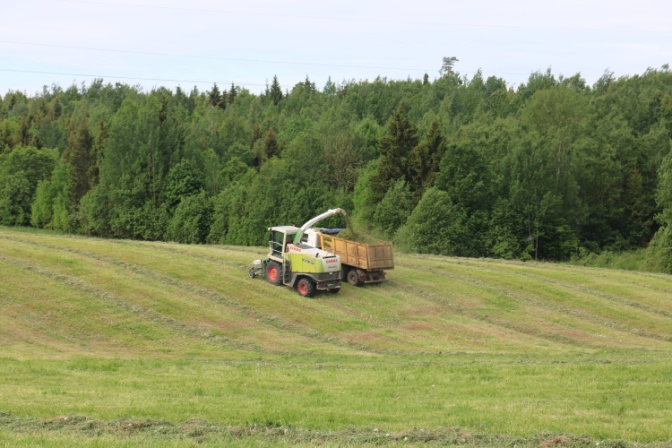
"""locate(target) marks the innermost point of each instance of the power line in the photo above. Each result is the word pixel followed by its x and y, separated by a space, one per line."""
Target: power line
pixel 88 75
pixel 216 58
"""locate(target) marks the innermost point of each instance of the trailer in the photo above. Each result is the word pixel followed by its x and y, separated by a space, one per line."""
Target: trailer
pixel 360 262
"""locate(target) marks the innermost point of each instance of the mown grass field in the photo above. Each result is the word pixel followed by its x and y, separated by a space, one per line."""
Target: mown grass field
pixel 108 342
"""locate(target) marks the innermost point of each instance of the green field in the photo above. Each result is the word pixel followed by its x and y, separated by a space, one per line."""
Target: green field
pixel 124 343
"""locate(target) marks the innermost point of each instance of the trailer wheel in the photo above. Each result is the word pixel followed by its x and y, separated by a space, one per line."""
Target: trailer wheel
pixel 353 278
pixel 306 287
pixel 273 273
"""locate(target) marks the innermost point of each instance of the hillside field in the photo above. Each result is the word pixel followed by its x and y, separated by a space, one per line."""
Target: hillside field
pixel 127 343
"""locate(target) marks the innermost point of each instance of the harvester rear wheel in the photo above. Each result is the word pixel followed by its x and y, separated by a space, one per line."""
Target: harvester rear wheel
pixel 306 287
pixel 353 278
pixel 274 273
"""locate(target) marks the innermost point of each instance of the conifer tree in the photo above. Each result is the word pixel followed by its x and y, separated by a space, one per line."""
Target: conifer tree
pixel 425 160
pixel 276 92
pixel 271 146
pixel 395 149
pixel 79 154
pixel 232 94
pixel 216 99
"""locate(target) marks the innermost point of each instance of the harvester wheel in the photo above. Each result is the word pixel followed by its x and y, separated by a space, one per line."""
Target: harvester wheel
pixel 306 287
pixel 251 273
pixel 274 273
pixel 353 278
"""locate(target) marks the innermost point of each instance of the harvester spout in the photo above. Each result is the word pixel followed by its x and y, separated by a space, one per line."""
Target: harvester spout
pixel 315 220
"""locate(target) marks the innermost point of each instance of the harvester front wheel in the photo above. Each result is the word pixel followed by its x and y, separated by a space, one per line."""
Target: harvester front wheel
pixel 353 278
pixel 274 273
pixel 306 287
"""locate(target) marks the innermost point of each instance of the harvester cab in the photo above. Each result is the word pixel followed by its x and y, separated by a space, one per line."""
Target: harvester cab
pixel 293 263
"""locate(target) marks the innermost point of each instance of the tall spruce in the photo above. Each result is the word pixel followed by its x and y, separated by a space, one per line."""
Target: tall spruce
pixel 425 159
pixel 233 92
pixel 216 98
pixel 275 93
pixel 395 148
pixel 271 145
pixel 79 153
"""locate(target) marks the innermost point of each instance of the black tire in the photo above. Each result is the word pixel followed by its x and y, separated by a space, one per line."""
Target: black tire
pixel 306 287
pixel 334 291
pixel 252 273
pixel 353 278
pixel 344 273
pixel 274 273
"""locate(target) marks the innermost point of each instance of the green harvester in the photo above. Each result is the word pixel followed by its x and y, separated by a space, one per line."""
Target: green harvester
pixel 293 263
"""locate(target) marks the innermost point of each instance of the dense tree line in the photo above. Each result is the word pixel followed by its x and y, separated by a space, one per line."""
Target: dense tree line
pixel 455 166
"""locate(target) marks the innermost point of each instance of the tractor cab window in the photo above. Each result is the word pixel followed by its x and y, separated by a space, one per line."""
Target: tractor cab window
pixel 277 242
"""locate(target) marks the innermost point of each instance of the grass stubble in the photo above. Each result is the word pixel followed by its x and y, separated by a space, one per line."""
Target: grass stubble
pixel 154 344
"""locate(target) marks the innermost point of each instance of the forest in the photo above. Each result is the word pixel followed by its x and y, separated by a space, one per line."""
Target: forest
pixel 549 170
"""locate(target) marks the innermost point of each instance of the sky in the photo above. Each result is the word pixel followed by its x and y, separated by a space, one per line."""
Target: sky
pixel 197 43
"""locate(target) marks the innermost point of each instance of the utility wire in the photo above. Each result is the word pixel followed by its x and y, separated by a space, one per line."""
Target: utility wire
pixel 88 75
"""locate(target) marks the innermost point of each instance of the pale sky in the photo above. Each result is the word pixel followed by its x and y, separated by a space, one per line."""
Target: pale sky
pixel 167 43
